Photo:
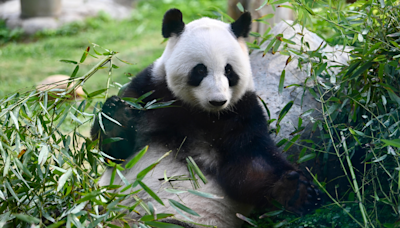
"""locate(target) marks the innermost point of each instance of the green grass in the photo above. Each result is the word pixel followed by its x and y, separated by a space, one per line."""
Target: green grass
pixel 138 40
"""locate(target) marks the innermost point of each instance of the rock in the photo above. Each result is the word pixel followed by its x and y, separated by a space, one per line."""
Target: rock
pixel 59 83
pixel 267 72
pixel 34 24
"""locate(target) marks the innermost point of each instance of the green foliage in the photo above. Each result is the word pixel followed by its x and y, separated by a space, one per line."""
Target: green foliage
pixel 49 174
pixel 360 109
pixel 28 60
pixel 8 35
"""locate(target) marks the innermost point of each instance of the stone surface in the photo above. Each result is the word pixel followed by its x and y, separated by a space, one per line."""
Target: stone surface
pixel 267 72
pixel 72 10
pixel 59 84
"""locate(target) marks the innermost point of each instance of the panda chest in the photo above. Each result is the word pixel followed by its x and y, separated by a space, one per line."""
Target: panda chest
pixel 189 134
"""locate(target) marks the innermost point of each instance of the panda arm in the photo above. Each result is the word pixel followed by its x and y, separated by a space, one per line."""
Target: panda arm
pixel 253 171
pixel 122 128
pixel 125 115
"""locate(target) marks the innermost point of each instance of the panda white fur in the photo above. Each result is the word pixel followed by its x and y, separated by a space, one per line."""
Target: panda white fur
pixel 216 119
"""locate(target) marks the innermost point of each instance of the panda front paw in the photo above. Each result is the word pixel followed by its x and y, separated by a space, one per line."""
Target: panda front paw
pixel 312 197
pixel 117 112
pixel 113 105
pixel 297 193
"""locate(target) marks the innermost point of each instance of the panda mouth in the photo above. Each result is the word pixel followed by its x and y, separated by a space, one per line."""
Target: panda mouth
pixel 216 108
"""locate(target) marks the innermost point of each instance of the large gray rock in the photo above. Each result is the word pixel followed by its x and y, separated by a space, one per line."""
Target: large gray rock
pixel 267 72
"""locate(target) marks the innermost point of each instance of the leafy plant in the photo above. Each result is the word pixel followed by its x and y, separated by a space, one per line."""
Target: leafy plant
pixel 360 106
pixel 49 174
pixel 7 35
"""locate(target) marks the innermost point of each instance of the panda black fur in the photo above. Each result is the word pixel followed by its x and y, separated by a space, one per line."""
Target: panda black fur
pixel 216 119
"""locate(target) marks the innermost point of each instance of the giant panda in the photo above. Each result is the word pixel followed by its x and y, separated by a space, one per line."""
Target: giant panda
pixel 216 119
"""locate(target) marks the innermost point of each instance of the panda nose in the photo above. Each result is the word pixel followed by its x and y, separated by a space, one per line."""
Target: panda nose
pixel 217 103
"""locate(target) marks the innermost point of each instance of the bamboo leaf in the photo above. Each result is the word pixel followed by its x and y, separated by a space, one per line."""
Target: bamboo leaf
pixel 276 46
pixel 95 93
pixel 124 61
pixel 78 208
pixel 266 107
pixel 151 217
pixel 269 46
pixel 145 171
pixel 288 41
pixel 27 218
pixel 110 119
pixel 281 81
pixel 174 191
pixel 380 158
pixel 68 61
pixel 85 54
pixel 14 119
pixel 362 69
pixel 291 142
pixel 89 196
pixel 182 207
pixel 74 118
pixel 11 190
pixel 240 7
pixel 123 178
pixel 160 105
pixel 306 158
pixel 284 111
pixel 396 34
pixel 271 214
pixel 150 192
pixel 44 152
pixel 394 142
pixel 137 157
pixel 262 5
pixel 248 220
pixel 112 140
pixel 204 194
pixel 63 118
pixel 196 169
pixel 7 166
pixel 76 69
pixel 63 179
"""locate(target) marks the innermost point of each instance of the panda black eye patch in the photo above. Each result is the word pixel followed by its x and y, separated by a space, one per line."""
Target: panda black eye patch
pixel 233 78
pixel 197 74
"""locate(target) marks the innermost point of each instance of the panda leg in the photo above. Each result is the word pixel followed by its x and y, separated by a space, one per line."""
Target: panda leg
pixel 259 183
pixel 303 198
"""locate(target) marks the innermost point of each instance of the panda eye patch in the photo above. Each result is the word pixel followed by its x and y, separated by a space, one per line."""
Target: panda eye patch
pixel 197 74
pixel 233 78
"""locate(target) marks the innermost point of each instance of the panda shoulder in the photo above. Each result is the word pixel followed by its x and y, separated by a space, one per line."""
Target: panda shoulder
pixel 141 83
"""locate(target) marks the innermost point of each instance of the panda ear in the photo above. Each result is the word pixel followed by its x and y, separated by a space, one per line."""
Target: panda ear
pixel 241 27
pixel 172 23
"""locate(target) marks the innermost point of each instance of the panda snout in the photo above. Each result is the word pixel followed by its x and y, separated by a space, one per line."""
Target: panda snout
pixel 217 103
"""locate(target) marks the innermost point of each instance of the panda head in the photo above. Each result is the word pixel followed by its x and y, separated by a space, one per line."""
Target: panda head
pixel 206 62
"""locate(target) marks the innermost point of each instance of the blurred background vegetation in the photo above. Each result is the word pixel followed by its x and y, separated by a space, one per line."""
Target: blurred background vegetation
pixel 360 106
pixel 26 60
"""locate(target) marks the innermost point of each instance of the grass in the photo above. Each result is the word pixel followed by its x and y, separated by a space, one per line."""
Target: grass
pixel 138 41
